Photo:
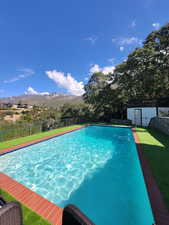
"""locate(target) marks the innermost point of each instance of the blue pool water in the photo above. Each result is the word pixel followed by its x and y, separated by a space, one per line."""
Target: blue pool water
pixel 95 168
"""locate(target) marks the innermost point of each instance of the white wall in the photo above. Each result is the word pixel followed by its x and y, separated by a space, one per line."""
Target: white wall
pixel 147 114
pixel 161 110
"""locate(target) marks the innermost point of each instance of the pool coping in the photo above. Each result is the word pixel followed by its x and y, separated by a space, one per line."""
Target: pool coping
pixel 43 207
pixel 159 209
pixel 115 126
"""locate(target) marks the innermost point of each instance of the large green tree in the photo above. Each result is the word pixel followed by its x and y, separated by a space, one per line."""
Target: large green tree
pixel 97 82
pixel 103 96
pixel 77 112
pixel 145 74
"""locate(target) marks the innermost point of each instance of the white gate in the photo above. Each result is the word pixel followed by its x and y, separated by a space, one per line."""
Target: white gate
pixel 138 117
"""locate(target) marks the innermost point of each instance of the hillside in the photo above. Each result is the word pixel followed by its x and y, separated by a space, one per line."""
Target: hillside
pixel 51 100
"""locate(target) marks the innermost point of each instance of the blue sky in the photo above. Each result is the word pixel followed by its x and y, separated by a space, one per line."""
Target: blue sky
pixel 54 45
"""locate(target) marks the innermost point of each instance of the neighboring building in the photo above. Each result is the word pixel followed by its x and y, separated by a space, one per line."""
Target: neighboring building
pixel 24 106
pixel 5 105
pixel 140 112
pixel 14 106
pixel 30 106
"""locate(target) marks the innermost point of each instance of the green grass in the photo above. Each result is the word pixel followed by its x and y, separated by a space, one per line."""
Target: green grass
pixel 22 140
pixel 155 146
pixel 29 217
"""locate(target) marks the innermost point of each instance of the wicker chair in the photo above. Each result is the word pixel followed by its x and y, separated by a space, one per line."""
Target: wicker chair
pixel 73 216
pixel 10 213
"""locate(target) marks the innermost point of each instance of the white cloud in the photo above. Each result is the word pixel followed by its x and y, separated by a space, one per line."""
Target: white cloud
pixel 24 73
pixel 106 70
pixel 31 91
pixel 86 78
pixel 26 70
pixel 92 39
pixel 133 24
pixel 156 25
pixel 127 41
pixel 114 40
pixel 95 69
pixel 121 48
pixel 67 82
pixel 111 60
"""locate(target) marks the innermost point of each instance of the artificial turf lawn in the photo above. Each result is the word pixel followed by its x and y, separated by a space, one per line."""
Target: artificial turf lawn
pixel 155 146
pixel 29 217
pixel 22 140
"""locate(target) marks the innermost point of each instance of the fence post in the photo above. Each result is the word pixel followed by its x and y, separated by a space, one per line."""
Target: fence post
pixel 1 136
pixel 29 130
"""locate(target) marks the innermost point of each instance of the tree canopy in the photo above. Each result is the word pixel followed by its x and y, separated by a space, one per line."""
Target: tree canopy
pixel 102 95
pixel 144 75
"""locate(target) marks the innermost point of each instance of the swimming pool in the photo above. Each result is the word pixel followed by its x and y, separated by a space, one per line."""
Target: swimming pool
pixel 95 168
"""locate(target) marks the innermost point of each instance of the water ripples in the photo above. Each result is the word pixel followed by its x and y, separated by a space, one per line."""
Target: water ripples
pixel 57 167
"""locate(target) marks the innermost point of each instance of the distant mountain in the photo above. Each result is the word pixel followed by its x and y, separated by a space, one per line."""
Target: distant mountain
pixel 51 100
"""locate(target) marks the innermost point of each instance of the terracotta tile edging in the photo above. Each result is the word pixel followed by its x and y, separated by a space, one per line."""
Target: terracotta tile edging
pixel 20 146
pixel 160 212
pixel 30 199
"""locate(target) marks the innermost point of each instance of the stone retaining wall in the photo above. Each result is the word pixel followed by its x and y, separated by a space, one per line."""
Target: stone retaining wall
pixel 160 123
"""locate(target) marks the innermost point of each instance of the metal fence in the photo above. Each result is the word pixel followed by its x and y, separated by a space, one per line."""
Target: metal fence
pixel 11 133
pixel 7 133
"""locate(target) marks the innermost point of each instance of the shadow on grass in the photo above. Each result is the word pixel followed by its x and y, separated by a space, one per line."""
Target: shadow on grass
pixel 158 159
pixel 161 137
